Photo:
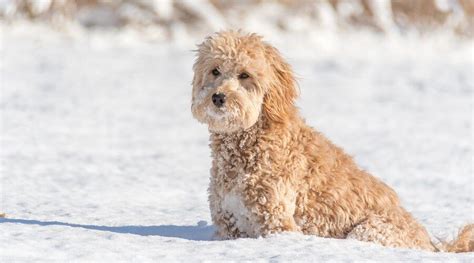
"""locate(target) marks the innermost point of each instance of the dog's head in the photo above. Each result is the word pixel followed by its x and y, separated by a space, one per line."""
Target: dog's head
pixel 238 77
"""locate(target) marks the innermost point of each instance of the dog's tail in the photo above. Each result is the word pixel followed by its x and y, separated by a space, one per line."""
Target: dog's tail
pixel 464 242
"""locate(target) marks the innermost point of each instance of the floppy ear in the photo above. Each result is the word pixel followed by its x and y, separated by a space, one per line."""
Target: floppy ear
pixel 278 103
pixel 198 66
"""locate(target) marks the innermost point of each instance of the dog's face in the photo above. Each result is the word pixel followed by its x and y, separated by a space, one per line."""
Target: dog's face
pixel 237 77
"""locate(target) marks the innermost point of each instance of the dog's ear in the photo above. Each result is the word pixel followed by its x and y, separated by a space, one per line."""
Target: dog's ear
pixel 198 66
pixel 278 103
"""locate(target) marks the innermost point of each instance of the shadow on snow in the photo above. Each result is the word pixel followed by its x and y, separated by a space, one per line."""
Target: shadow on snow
pixel 198 232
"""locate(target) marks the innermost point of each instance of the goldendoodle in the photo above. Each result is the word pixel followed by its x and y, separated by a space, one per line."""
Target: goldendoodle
pixel 271 172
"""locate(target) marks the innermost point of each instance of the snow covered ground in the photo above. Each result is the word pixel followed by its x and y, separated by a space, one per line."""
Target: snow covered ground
pixel 101 159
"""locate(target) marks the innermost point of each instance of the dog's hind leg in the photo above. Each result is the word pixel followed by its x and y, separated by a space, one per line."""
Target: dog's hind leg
pixel 392 231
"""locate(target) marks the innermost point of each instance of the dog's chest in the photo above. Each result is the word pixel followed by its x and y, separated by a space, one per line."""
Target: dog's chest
pixel 229 186
pixel 239 217
pixel 234 164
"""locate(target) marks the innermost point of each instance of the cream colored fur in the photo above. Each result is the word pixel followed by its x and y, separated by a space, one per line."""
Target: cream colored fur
pixel 271 172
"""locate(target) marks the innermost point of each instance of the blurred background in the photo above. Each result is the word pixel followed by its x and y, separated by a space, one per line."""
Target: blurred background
pixel 171 19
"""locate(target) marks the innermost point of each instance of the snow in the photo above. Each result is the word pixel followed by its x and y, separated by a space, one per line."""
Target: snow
pixel 101 159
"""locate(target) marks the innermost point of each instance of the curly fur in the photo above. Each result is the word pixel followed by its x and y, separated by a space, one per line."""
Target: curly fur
pixel 271 172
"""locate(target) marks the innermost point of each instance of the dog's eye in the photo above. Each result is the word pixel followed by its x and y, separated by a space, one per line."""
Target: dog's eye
pixel 243 76
pixel 215 72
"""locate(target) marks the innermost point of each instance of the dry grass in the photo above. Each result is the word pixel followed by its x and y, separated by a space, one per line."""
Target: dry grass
pixel 407 15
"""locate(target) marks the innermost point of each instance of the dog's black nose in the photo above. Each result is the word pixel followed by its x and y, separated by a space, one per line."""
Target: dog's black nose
pixel 218 99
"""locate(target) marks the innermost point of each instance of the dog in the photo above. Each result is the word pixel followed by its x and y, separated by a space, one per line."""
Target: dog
pixel 271 172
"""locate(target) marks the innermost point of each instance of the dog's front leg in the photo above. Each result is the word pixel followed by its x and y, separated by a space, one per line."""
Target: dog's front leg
pixel 226 227
pixel 273 206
